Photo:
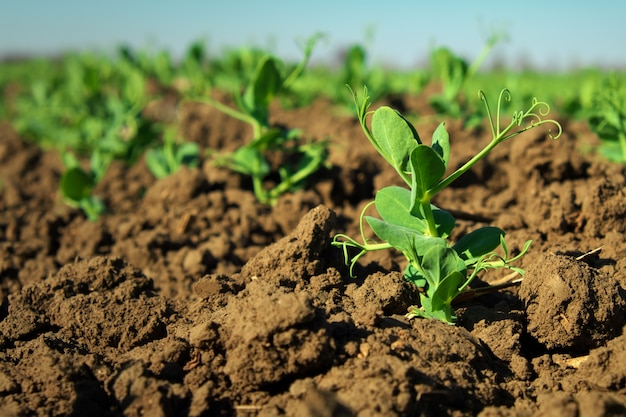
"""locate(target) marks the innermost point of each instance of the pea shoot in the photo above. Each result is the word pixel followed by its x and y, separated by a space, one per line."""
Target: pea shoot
pixel 410 223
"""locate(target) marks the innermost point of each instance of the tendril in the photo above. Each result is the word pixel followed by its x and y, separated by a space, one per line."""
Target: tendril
pixel 534 116
pixel 505 95
pixel 483 97
pixel 535 113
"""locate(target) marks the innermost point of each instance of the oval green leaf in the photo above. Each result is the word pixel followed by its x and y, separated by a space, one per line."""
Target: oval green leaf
pixel 447 290
pixel 394 137
pixel 392 203
pixel 427 168
pixel 76 184
pixel 478 242
pixel 440 262
pixel 441 143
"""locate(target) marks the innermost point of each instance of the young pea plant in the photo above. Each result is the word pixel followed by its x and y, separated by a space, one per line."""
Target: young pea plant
pixel 410 223
pixel 254 108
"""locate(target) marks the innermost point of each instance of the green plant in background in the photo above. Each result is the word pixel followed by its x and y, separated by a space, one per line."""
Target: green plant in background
pixel 172 155
pixel 608 120
pixel 253 108
pixel 74 107
pixel 353 71
pixel 126 144
pixel 187 77
pixel 356 72
pixel 77 184
pixel 235 65
pixel 89 109
pixel 410 223
pixel 191 75
pixel 453 72
pixel 159 66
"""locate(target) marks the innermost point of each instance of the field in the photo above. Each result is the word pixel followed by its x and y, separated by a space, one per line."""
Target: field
pixel 191 291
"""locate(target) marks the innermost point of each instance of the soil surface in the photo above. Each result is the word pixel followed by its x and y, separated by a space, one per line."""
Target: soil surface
pixel 189 298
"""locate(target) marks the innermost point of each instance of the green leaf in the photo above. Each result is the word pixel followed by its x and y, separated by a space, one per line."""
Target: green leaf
pixel 447 290
pixel 394 137
pixel 409 241
pixel 441 143
pixel 427 169
pixel 156 161
pixel 273 138
pixel 99 164
pixel 247 160
pixel 444 222
pixel 92 206
pixel 445 314
pixel 70 160
pixel 440 261
pixel 613 117
pixel 413 275
pixel 76 184
pixel 188 154
pixel 162 164
pixel 612 151
pixel 478 242
pixel 266 83
pixel 392 203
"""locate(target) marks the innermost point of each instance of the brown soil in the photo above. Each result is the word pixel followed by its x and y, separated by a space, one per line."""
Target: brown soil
pixel 191 299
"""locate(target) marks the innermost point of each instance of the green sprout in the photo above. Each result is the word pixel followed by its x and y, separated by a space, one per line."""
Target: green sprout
pixel 254 109
pixel 410 223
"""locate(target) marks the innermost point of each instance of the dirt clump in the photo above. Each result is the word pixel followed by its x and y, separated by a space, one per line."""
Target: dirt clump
pixel 570 305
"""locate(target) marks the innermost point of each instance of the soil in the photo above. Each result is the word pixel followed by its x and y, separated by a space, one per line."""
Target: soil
pixel 189 298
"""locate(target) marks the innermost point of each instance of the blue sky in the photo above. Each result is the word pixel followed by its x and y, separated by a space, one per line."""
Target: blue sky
pixel 557 34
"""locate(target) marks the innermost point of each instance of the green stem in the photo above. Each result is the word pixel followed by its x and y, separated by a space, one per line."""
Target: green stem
pixel 256 127
pixel 499 136
pixel 296 177
pixel 482 56
pixel 170 152
pixel 467 282
pixel 363 248
pixel 259 191
pixel 430 218
pixel 308 50
pixel 622 141
pixel 466 167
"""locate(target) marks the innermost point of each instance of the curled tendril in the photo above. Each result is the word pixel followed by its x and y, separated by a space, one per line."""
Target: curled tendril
pixel 537 111
pixel 534 115
pixel 505 95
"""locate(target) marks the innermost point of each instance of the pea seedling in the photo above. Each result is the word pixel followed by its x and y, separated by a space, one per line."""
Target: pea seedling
pixel 253 108
pixel 410 223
